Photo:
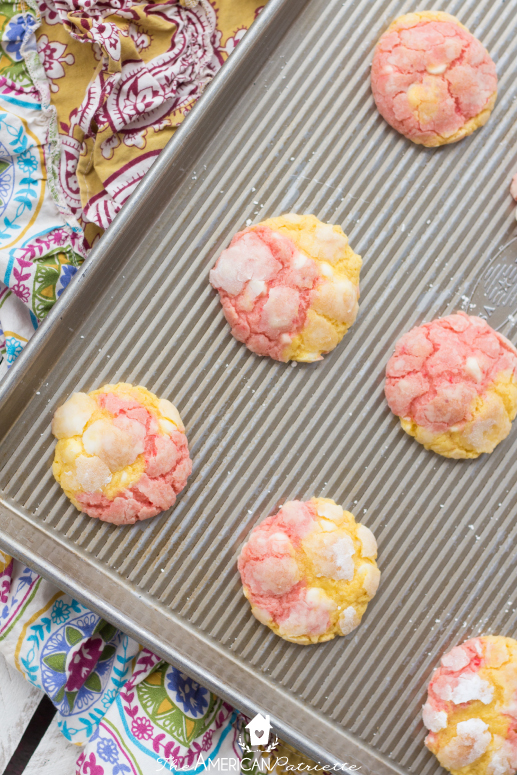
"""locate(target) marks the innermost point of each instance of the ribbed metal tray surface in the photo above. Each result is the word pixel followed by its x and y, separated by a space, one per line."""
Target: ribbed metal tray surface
pixel 435 229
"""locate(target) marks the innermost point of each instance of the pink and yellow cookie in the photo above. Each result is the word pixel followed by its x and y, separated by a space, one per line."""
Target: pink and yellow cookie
pixel 453 384
pixel 289 287
pixel 310 571
pixel 471 708
pixel 122 454
pixel 432 80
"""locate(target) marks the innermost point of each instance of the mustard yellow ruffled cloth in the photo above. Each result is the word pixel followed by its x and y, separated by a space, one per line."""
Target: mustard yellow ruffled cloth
pixel 90 93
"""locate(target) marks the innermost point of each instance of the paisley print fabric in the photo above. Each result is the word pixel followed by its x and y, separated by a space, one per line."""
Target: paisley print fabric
pixel 148 63
pixel 90 93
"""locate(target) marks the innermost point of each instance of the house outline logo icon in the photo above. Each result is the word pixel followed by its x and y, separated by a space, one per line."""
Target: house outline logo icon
pixel 259 729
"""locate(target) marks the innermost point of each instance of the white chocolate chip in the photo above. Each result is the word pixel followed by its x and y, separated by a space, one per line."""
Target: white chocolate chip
pixel 330 245
pixel 167 427
pixel 436 69
pixel 71 448
pixel 318 597
pixel 433 719
pixel 327 526
pixel 114 446
pixel 256 288
pixel 299 260
pixel 169 411
pixel 368 542
pixel 371 578
pixel 92 473
pixel 348 620
pixel 473 369
pixel 330 511
pixel 471 742
pixel 70 418
pixel 261 614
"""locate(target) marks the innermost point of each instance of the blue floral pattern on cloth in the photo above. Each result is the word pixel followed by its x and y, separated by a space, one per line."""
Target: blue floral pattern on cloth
pixel 20 26
pixel 108 698
pixel 70 693
pixel 60 612
pixel 66 276
pixel 13 348
pixel 107 750
pixel 27 162
pixel 186 693
pixel 136 714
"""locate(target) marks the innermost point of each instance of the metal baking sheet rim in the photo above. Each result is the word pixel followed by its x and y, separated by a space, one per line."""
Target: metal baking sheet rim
pixel 350 756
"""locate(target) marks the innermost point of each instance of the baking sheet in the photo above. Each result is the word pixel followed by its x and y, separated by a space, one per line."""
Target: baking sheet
pixel 436 230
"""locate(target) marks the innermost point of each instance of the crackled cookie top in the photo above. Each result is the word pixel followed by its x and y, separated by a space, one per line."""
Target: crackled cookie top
pixel 453 384
pixel 471 708
pixel 289 287
pixel 309 571
pixel 431 79
pixel 122 453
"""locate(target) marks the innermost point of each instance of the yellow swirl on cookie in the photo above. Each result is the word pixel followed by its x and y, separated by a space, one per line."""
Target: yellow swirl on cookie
pixel 310 571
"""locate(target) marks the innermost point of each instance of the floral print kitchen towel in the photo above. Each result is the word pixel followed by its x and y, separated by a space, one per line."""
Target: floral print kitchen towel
pixel 40 240
pixel 90 93
pixel 132 712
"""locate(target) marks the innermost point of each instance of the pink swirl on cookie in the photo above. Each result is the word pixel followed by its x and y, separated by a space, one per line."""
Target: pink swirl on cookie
pixel 432 80
pixel 309 571
pixel 471 707
pixel 122 454
pixel 455 375
pixel 289 287
pixel 264 284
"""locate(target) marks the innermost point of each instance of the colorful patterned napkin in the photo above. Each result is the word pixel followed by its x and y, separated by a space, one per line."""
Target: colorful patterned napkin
pixel 90 93
pixel 132 712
